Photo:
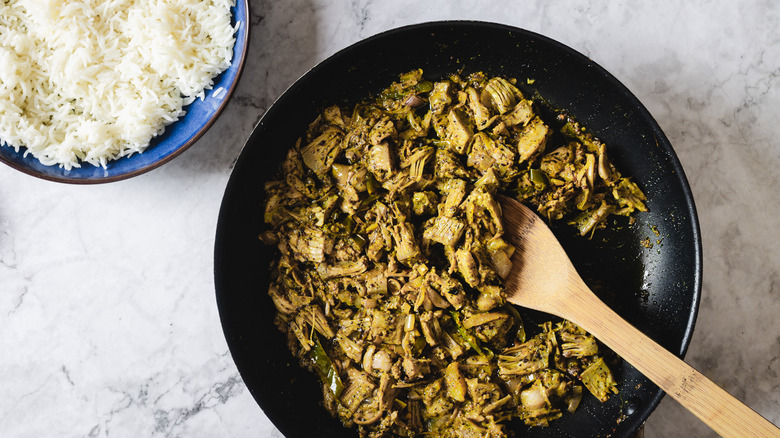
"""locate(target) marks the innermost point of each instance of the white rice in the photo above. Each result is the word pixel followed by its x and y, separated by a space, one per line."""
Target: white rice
pixel 95 80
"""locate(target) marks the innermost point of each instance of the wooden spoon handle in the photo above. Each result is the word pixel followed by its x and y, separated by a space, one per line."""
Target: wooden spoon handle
pixel 717 408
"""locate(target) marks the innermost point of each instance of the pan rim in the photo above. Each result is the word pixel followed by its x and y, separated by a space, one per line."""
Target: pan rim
pixel 662 140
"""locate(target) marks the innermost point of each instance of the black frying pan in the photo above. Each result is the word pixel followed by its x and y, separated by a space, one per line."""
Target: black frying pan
pixel 656 289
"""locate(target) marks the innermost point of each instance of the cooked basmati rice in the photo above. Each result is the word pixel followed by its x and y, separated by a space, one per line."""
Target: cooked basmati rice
pixel 95 80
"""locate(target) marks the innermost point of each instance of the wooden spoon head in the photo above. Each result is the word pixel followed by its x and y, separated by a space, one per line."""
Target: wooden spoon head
pixel 542 276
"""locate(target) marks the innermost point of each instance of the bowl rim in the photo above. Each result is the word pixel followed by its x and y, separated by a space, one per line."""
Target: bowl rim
pixel 243 50
pixel 651 403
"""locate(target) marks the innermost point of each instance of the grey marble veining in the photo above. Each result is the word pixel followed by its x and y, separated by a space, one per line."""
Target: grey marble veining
pixel 108 322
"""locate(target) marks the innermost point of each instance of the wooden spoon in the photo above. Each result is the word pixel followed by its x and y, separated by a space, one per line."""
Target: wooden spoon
pixel 543 278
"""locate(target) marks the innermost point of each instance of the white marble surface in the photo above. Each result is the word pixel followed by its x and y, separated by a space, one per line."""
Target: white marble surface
pixel 108 321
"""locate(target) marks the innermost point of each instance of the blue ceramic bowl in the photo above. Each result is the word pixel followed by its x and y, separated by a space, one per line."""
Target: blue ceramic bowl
pixel 178 136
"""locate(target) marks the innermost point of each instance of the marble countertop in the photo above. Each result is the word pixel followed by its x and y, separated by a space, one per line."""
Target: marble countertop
pixel 108 319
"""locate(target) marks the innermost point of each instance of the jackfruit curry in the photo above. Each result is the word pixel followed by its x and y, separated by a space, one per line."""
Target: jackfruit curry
pixel 389 277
